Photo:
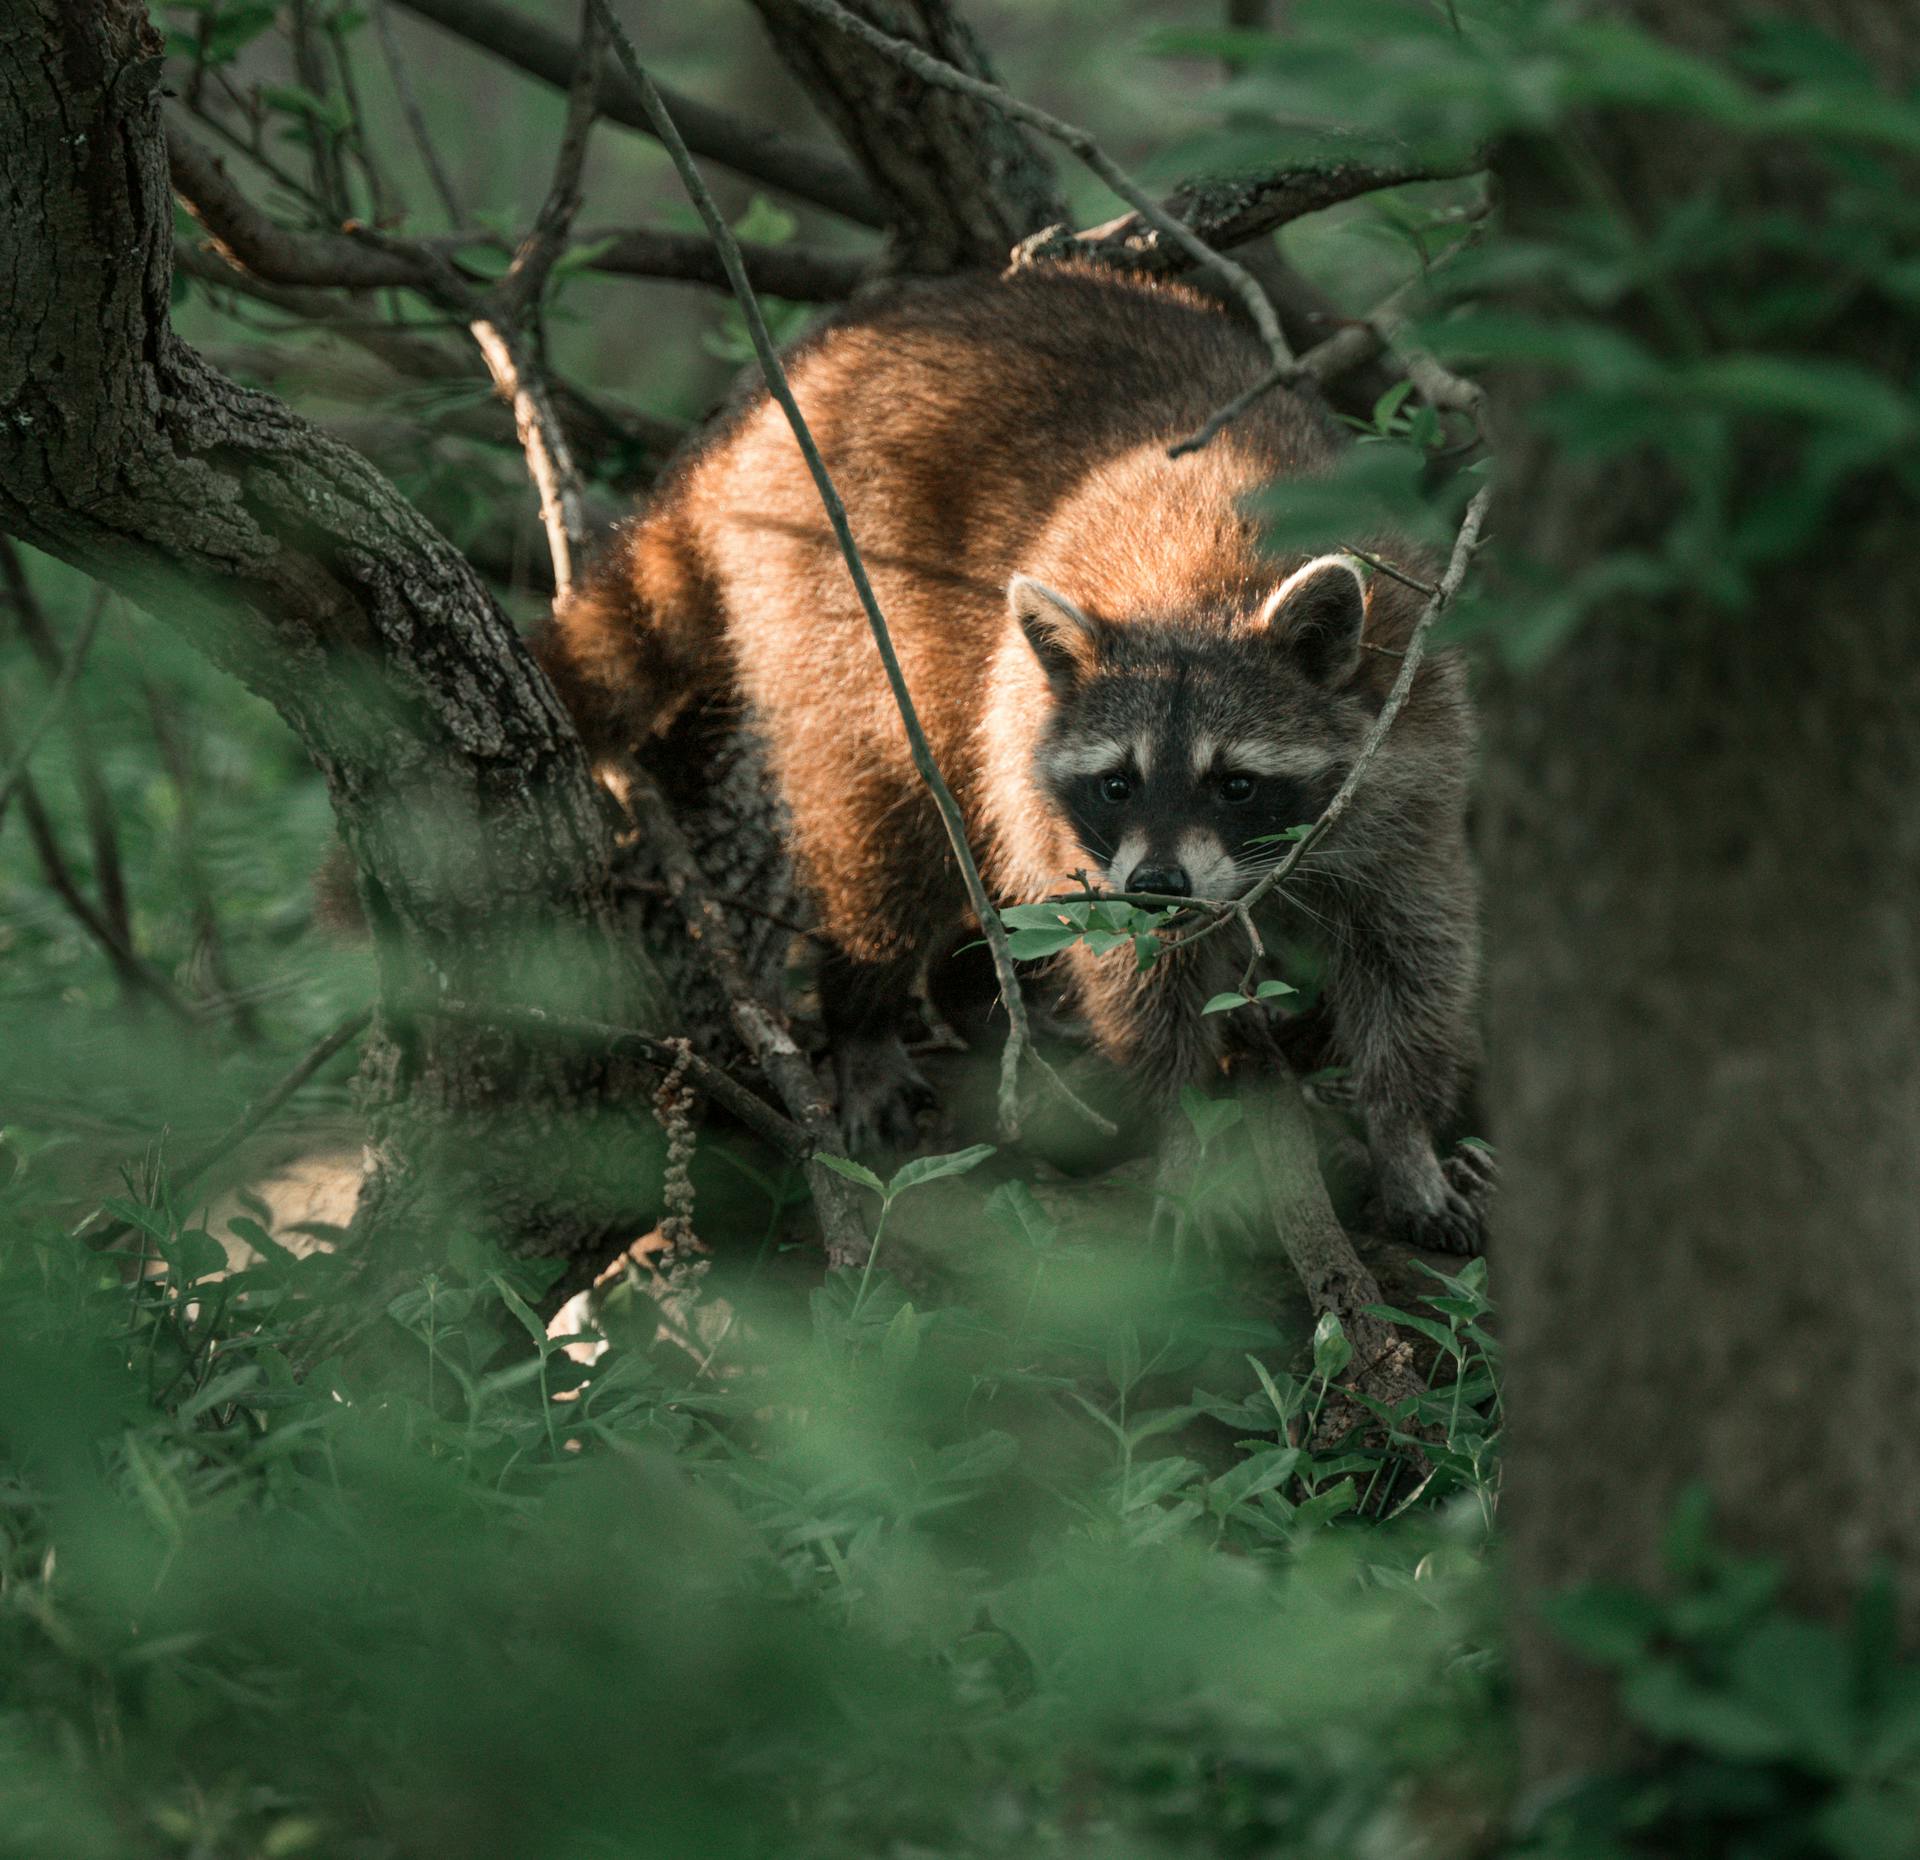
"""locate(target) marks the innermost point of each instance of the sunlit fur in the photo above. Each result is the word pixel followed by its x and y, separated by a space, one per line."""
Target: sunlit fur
pixel 998 428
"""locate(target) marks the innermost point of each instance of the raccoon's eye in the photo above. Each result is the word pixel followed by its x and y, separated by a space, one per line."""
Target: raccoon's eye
pixel 1237 790
pixel 1115 788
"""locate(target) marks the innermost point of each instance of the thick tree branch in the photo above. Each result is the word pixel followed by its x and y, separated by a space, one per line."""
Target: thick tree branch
pixel 621 445
pixel 1229 210
pixel 798 273
pixel 961 180
pixel 764 155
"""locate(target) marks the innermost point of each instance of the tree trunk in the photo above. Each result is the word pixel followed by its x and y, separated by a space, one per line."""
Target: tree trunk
pixel 459 784
pixel 1704 888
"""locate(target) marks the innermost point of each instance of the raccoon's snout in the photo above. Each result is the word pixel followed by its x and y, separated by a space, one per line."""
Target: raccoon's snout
pixel 1169 880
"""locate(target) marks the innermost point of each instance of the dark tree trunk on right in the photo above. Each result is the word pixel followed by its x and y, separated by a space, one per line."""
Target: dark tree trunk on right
pixel 1704 889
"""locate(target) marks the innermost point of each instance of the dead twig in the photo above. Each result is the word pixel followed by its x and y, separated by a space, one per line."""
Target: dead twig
pixel 505 311
pixel 1020 1035
pixel 137 975
pixel 1353 345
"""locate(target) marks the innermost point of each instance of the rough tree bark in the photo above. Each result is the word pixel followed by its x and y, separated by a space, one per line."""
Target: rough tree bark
pixel 1704 882
pixel 458 783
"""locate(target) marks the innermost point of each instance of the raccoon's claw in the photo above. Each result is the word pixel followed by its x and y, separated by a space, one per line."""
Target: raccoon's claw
pixel 1454 1226
pixel 1474 1170
pixel 882 1099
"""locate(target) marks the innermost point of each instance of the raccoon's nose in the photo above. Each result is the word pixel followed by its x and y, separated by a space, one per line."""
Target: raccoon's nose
pixel 1169 880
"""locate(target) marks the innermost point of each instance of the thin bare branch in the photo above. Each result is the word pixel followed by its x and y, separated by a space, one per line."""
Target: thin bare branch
pixel 103 830
pixel 1020 1034
pixel 14 777
pixel 402 80
pixel 778 161
pixel 543 438
pixel 136 974
pixel 596 433
pixel 1385 326
pixel 517 295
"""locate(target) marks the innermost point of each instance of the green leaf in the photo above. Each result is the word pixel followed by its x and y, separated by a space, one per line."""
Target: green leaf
pixel 1264 1471
pixel 1800 1675
pixel 1331 1350
pixel 225 1388
pixel 192 1255
pixel 1157 1479
pixel 1046 916
pixel 330 112
pixel 932 1168
pixel 853 1171
pixel 1014 1206
pixel 1438 1333
pixel 1609 1624
pixel 1208 1116
pixel 529 1318
pixel 1123 1358
pixel 1661 1698
pixel 1324 1507
pixel 1272 990
pixel 1389 404
pixel 1225 1004
pixel 1030 945
pixel 901 1343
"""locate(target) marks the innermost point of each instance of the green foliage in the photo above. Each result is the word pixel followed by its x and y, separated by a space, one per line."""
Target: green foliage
pixel 1769 1734
pixel 1039 930
pixel 1713 348
pixel 287 1571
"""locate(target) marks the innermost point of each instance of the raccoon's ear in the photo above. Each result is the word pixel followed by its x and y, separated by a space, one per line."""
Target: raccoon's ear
pixel 1063 639
pixel 1317 614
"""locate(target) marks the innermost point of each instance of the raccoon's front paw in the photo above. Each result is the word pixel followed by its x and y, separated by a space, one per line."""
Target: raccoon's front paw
pixel 1454 1226
pixel 882 1098
pixel 1454 1220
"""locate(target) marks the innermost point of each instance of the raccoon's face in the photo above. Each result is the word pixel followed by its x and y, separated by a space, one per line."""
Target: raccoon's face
pixel 1182 751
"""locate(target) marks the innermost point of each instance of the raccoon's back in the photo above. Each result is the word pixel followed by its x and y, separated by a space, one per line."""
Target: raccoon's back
pixel 960 421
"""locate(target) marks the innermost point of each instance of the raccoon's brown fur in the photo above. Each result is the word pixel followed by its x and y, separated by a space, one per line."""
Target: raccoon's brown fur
pixel 1059 591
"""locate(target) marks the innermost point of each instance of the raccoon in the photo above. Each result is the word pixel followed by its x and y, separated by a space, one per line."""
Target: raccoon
pixel 1117 678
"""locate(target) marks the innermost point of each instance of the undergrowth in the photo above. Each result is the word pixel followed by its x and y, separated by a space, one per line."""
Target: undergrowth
pixel 1067 1570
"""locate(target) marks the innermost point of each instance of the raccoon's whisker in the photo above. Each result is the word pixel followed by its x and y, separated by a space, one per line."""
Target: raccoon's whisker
pixel 1331 925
